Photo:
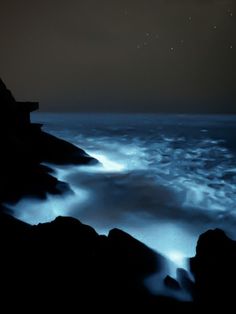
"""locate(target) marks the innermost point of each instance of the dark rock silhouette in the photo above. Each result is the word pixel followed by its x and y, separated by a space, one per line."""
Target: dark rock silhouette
pixel 24 146
pixel 171 283
pixel 65 264
pixel 70 261
pixel 214 269
pixel 134 256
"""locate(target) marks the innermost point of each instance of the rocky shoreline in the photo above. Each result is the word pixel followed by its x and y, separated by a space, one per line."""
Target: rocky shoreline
pixel 65 265
pixel 24 147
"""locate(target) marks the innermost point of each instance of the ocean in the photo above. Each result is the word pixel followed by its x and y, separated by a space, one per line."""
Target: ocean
pixel 164 179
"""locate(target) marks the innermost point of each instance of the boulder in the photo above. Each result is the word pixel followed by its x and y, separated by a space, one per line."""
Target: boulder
pixel 214 270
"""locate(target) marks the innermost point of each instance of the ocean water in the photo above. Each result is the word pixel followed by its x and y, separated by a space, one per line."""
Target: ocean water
pixel 163 178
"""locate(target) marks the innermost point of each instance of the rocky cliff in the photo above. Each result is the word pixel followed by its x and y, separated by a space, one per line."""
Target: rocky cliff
pixel 24 147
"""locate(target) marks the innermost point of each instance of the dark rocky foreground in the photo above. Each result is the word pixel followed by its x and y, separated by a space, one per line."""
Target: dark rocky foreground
pixel 24 146
pixel 66 266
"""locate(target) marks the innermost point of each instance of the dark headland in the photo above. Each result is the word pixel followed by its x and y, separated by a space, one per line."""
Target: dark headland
pixel 24 147
pixel 65 265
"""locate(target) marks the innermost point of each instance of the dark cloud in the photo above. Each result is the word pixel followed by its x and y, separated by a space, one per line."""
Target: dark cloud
pixel 96 55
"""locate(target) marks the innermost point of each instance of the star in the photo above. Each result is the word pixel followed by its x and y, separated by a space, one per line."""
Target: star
pixel 190 18
pixel 147 34
pixel 172 49
pixel 231 47
pixel 138 46
pixel 215 27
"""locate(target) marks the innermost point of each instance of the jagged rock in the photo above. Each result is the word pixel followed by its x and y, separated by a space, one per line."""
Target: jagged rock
pixel 15 115
pixel 24 146
pixel 214 270
pixel 69 263
pixel 57 151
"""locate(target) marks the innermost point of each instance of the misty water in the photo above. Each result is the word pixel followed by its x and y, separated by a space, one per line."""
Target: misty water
pixel 162 178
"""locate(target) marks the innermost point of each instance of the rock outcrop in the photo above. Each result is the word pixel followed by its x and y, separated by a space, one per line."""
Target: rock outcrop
pixel 66 263
pixel 24 146
pixel 214 269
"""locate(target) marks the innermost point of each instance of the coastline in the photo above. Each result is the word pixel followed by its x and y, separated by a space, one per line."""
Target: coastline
pixel 55 257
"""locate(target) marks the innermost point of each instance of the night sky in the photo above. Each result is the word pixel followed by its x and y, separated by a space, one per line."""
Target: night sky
pixel 121 55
